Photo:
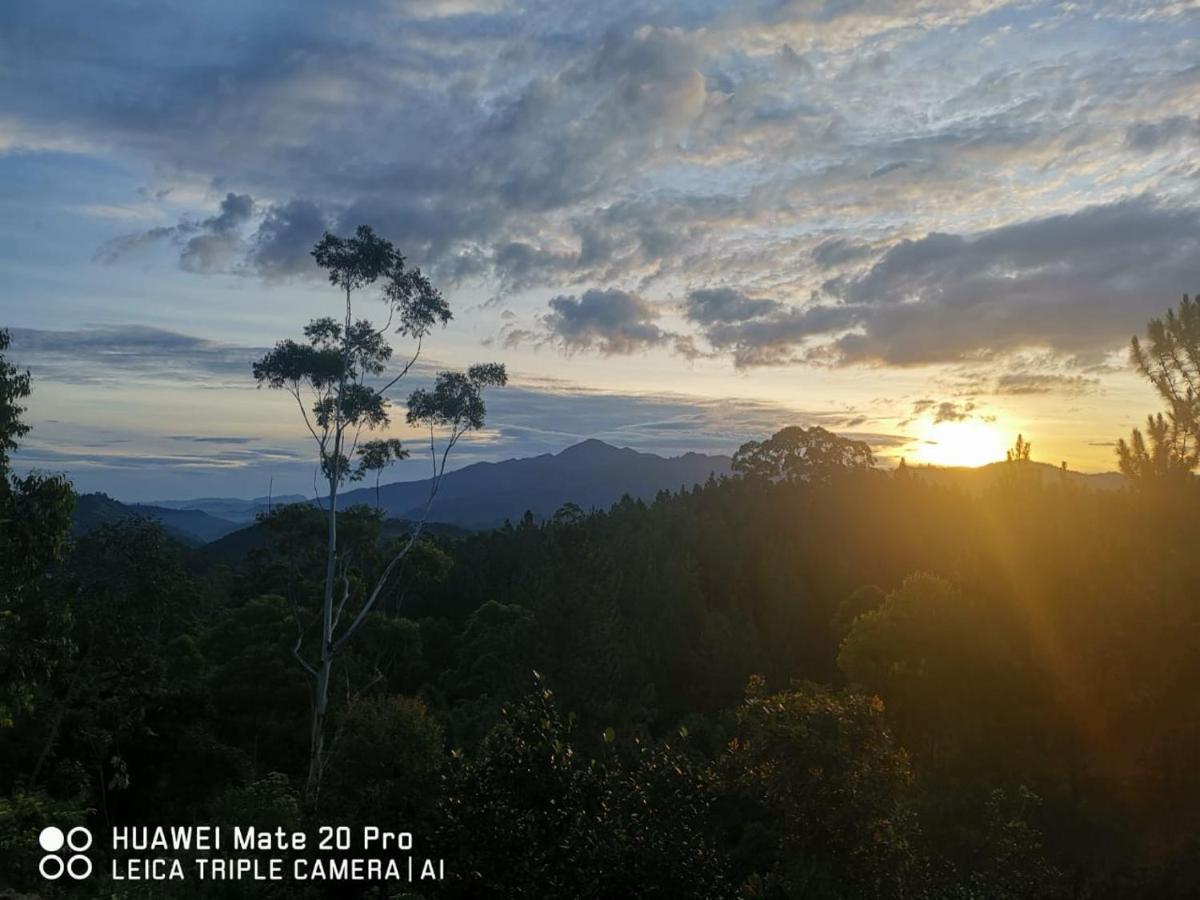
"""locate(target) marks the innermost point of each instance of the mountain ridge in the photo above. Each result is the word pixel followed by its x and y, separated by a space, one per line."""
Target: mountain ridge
pixel 591 474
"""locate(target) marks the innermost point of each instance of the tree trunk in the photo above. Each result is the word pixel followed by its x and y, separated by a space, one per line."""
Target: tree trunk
pixel 316 753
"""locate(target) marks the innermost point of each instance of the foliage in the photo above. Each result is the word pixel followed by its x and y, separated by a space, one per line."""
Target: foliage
pixel 385 764
pixel 800 454
pixel 14 387
pixel 1166 461
pixel 35 523
pixel 1170 360
pixel 823 792
pixel 532 814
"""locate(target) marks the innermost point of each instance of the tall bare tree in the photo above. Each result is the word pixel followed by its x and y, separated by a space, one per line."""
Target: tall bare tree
pixel 339 377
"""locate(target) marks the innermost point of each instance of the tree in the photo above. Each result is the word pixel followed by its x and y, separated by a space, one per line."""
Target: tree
pixel 1168 458
pixel 822 790
pixel 532 813
pixel 336 368
pixel 1019 452
pixel 1170 360
pixel 389 756
pixel 375 456
pixel 35 523
pixel 797 454
pixel 14 387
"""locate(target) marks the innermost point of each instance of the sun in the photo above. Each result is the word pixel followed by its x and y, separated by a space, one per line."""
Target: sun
pixel 969 443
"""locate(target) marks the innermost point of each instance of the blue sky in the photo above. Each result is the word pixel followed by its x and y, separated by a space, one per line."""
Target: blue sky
pixel 680 225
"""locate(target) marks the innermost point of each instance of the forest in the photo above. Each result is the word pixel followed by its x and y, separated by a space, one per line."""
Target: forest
pixel 815 678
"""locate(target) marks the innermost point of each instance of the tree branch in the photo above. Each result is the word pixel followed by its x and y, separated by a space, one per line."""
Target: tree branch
pixel 413 537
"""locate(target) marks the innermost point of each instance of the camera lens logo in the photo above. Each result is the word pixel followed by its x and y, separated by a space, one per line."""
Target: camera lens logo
pixel 76 865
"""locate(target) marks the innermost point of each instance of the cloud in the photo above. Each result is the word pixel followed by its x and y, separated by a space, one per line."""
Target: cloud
pixel 774 339
pixel 204 439
pixel 282 244
pixel 1075 282
pixel 949 411
pixel 611 322
pixel 836 251
pixel 711 305
pixel 114 354
pixel 1045 383
pixel 944 411
pixel 543 147
pixel 1149 136
pixel 209 245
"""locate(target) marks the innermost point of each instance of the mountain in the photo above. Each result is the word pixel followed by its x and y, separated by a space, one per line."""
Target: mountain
pixel 233 509
pixel 187 525
pixel 977 479
pixel 592 474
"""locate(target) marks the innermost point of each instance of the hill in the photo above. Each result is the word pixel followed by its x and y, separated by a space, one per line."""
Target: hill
pixel 232 509
pixel 974 480
pixel 187 525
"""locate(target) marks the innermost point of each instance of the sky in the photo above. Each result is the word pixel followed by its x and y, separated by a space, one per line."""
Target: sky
pixel 927 224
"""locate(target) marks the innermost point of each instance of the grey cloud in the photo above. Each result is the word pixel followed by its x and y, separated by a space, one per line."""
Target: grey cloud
pixel 774 339
pixel 549 145
pixel 836 251
pixel 209 245
pixel 1045 383
pixel 208 252
pixel 203 439
pixel 794 61
pixel 1155 135
pixel 284 240
pixel 945 410
pixel 888 168
pixel 519 264
pixel 710 305
pixel 113 250
pixel 1074 282
pixel 612 322
pixel 949 411
pixel 112 354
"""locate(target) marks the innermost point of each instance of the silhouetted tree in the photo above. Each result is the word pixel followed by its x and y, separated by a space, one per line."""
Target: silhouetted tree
pixel 1170 359
pixel 1168 457
pixel 798 454
pixel 375 456
pixel 334 368
pixel 1019 452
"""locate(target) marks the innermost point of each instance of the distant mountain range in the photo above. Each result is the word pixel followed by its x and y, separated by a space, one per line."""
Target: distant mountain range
pixel 977 479
pixel 232 509
pixel 592 474
pixel 192 526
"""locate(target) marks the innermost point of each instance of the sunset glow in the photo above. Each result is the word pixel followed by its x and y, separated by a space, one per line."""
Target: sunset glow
pixel 969 443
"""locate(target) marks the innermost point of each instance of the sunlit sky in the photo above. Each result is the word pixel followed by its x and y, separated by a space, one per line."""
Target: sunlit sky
pixel 928 224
